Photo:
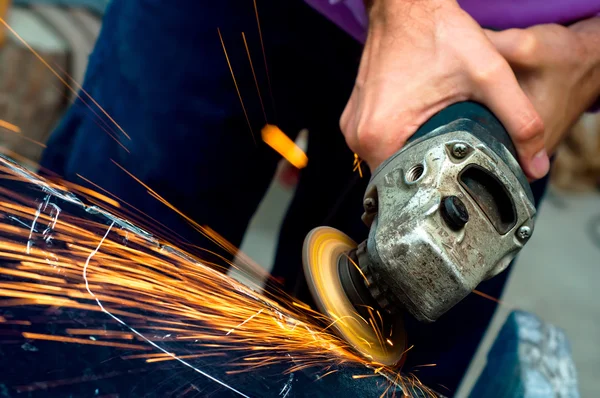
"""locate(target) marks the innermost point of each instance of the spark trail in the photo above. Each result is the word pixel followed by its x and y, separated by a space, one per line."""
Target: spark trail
pixel 83 258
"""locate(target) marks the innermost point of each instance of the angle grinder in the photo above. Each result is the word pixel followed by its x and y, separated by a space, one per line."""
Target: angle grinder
pixel 449 210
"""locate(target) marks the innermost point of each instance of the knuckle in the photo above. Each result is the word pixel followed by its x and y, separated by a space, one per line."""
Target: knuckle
pixel 490 71
pixel 367 133
pixel 528 44
pixel 531 129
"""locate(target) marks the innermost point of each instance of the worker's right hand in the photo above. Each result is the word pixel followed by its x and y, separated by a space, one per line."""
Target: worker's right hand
pixel 421 56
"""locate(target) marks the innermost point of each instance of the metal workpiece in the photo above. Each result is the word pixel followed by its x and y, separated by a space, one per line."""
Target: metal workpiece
pixel 452 211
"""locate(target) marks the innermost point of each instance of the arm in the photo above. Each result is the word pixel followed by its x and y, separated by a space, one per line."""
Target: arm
pixel 421 56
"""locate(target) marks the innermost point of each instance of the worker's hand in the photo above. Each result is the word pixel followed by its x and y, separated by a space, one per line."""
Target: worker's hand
pixel 558 68
pixel 421 56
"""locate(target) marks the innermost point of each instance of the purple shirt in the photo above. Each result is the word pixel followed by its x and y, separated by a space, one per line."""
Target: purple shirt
pixel 500 14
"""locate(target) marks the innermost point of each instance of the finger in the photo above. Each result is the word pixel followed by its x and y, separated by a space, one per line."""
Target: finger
pixel 518 46
pixel 500 91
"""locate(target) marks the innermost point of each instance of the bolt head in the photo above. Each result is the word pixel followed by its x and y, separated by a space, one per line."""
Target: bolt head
pixel 459 150
pixel 369 204
pixel 524 233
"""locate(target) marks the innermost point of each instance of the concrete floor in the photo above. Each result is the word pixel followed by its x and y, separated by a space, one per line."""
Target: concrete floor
pixel 555 277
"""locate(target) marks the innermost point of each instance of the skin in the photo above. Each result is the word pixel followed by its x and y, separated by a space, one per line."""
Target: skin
pixel 558 68
pixel 422 55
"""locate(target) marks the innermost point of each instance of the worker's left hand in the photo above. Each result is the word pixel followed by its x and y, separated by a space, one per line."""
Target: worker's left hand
pixel 558 68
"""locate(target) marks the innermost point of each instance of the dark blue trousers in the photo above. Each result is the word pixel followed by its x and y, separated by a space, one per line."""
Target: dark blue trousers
pixel 160 71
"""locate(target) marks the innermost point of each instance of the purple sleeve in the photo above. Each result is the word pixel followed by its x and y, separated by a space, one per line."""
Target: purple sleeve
pixel 350 15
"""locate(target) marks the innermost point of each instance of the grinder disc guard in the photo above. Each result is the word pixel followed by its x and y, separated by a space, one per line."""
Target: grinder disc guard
pixel 328 260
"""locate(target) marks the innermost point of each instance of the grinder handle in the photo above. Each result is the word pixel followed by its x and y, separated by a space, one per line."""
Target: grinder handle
pixel 492 128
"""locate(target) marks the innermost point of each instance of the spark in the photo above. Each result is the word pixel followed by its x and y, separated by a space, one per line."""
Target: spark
pixel 190 356
pixel 147 356
pixel 92 193
pixel 15 129
pixel 64 82
pixel 237 89
pixel 360 271
pixel 254 75
pixel 262 44
pixel 487 296
pixel 365 376
pixel 23 323
pixel 326 374
pixel 408 349
pixel 276 139
pixel 9 126
pixel 66 339
pixel 356 164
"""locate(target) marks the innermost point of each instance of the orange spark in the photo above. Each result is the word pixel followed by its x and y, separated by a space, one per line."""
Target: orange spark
pixel 237 89
pixel 357 163
pixel 64 82
pixel 23 323
pixel 90 192
pixel 408 349
pixel 190 356
pixel 15 129
pixel 365 376
pixel 487 296
pixel 326 374
pixel 254 75
pixel 287 148
pixel 146 356
pixel 66 339
pixel 9 126
pixel 262 45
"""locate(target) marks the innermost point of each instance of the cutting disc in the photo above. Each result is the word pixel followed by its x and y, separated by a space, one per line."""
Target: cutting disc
pixel 378 336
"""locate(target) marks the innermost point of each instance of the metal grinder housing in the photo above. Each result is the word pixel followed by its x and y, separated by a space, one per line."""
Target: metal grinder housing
pixel 450 209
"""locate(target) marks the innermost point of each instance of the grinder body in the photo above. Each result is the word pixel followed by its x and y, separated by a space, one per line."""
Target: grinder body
pixel 449 210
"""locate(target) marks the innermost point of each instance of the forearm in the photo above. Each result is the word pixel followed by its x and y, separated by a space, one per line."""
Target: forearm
pixel 400 10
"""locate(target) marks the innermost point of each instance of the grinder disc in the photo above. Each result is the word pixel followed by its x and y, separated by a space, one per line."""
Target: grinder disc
pixel 378 336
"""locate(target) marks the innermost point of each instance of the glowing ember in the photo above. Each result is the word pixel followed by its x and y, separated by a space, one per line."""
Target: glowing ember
pixel 276 139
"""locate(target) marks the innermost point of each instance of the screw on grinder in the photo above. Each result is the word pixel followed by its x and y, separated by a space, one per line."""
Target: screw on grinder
pixel 449 210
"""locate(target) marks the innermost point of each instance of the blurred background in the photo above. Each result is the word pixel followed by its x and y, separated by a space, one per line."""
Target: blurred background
pixel 555 277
